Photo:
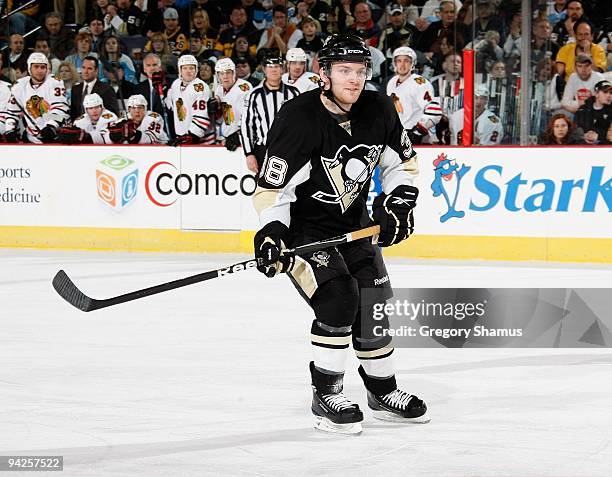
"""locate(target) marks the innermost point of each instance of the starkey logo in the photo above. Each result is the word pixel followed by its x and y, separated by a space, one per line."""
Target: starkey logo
pixel 493 188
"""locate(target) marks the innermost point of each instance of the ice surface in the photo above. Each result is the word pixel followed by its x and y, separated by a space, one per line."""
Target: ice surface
pixel 212 379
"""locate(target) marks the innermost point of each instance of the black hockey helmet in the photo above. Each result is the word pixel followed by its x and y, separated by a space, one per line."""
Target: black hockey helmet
pixel 272 59
pixel 345 47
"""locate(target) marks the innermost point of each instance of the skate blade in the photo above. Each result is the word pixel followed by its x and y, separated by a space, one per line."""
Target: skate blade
pixel 325 425
pixel 390 417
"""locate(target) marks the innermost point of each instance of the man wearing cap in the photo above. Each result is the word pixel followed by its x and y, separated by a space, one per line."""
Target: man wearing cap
pixel 583 45
pixel 176 38
pixel 581 84
pixel 398 32
pixel 261 106
pixel 595 115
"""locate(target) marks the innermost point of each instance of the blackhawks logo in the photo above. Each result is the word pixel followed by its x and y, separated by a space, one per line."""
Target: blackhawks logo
pixel 244 87
pixel 199 87
pixel 227 112
pixel 181 111
pixel 37 106
pixel 348 171
pixel 419 80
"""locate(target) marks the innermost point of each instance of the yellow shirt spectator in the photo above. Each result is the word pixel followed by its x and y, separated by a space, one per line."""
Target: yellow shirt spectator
pixel 567 56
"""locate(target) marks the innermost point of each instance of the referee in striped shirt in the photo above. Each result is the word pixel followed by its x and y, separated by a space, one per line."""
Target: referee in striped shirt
pixel 261 106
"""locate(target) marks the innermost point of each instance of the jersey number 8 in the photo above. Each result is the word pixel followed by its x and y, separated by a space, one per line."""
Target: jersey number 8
pixel 276 169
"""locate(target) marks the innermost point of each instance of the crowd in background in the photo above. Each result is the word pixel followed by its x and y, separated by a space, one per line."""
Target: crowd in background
pixel 570 64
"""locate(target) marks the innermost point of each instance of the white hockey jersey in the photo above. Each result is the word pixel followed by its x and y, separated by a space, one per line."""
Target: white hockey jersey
pixel 307 82
pixel 99 131
pixel 232 106
pixel 44 104
pixel 414 101
pixel 152 129
pixel 488 129
pixel 188 104
pixel 5 95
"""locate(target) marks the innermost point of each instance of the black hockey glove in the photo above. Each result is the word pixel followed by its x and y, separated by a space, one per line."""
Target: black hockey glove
pixel 214 108
pixel 232 141
pixel 69 135
pixel 394 214
pixel 131 132
pixel 116 131
pixel 48 134
pixel 417 133
pixel 188 138
pixel 12 136
pixel 269 242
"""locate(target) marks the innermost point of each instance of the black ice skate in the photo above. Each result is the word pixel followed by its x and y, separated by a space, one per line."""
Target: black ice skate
pixel 391 404
pixel 333 411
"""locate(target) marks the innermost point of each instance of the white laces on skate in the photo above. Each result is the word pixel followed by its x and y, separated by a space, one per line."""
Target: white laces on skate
pixel 397 399
pixel 338 402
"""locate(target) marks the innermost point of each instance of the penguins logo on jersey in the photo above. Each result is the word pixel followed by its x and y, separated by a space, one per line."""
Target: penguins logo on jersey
pixel 348 171
pixel 406 144
pixel 321 258
pixel 37 106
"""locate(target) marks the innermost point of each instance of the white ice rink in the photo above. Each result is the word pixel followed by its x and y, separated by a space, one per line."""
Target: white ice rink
pixel 212 379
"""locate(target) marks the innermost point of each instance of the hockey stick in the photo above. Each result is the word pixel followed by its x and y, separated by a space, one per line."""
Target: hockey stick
pixel 66 288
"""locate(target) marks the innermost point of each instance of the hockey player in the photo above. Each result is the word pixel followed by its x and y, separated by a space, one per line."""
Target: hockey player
pixel 142 127
pixel 262 105
pixel 40 100
pixel 92 127
pixel 187 98
pixel 488 128
pixel 413 96
pixel 321 153
pixel 5 95
pixel 230 95
pixel 296 74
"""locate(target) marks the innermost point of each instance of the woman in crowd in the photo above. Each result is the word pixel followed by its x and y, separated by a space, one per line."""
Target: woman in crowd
pixel 207 72
pixel 69 75
pixel 111 58
pixel 200 23
pixel 158 44
pixel 560 130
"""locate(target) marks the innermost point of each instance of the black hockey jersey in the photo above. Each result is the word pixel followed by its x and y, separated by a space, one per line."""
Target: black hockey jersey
pixel 316 175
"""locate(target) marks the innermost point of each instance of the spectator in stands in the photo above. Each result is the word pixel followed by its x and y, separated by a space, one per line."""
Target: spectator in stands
pixel 560 130
pixel 159 45
pixel 61 38
pixel 23 21
pixel 214 10
pixel 15 55
pixel 91 127
pixel 556 11
pixel 243 70
pixel 155 87
pixel 206 72
pixel 83 44
pixel 364 26
pixel 90 84
pixel 142 127
pixel 41 45
pixel 564 30
pixel 317 9
pixel 3 76
pixel 257 14
pixel 96 30
pixel 448 43
pixel 498 70
pixel 583 45
pixel 111 58
pixel 79 7
pixel 398 32
pixel 581 84
pixel 542 45
pixel 433 7
pixel 512 45
pixel 341 17
pixel 488 51
pixel 198 49
pixel 69 75
pixel 243 48
pixel 124 18
pixel 595 115
pixel 200 23
pixel 282 35
pixel 174 36
pixel 487 21
pixel 447 26
pixel 310 42
pixel 237 25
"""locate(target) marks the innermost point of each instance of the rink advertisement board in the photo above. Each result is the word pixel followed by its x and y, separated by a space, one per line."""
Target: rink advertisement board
pixel 506 203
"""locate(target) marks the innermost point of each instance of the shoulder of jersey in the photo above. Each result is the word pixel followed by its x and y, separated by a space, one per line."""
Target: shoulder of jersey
pixel 314 78
pixel 198 85
pixel 153 114
pixel 107 115
pixel 244 85
pixel 80 117
pixel 494 119
pixel 419 79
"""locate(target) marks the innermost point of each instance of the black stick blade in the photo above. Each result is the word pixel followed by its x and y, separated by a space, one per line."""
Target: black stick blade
pixel 69 292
